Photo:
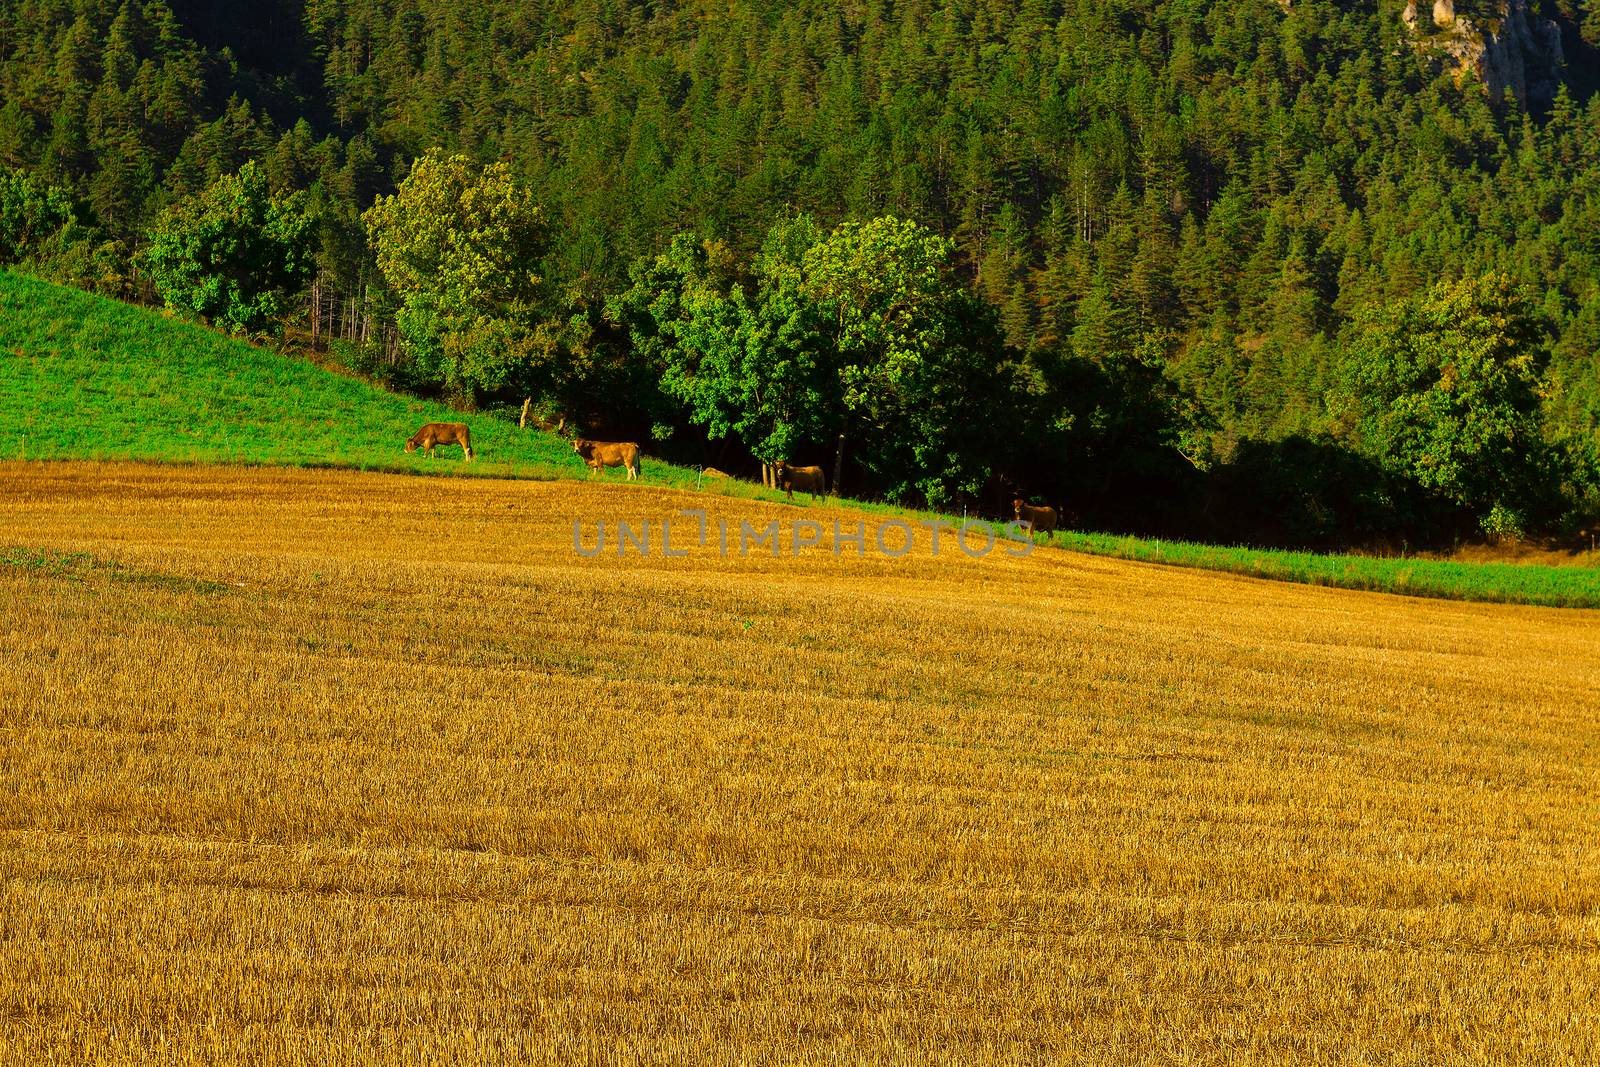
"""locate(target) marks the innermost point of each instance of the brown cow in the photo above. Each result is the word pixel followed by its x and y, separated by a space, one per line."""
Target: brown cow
pixel 441 433
pixel 712 472
pixel 600 454
pixel 806 479
pixel 1038 520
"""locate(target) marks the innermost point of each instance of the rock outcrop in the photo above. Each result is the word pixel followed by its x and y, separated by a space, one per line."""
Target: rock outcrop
pixel 1508 48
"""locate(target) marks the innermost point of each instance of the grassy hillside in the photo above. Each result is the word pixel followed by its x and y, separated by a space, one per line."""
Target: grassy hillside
pixel 331 768
pixel 82 377
pixel 88 378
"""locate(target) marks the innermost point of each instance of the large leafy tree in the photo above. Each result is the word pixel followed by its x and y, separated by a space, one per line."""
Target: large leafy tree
pixel 459 245
pixel 787 370
pixel 916 353
pixel 864 334
pixel 746 360
pixel 235 254
pixel 658 312
pixel 1445 389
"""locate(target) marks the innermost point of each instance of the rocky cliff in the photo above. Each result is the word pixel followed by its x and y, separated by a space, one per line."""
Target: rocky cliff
pixel 1504 44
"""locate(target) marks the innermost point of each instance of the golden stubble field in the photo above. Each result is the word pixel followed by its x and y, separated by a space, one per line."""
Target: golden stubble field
pixel 326 768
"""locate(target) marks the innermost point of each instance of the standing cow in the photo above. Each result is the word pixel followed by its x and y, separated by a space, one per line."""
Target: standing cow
pixel 600 454
pixel 441 433
pixel 806 479
pixel 1038 520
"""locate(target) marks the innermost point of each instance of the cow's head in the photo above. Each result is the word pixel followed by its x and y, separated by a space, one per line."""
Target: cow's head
pixel 582 447
pixel 411 445
pixel 1017 505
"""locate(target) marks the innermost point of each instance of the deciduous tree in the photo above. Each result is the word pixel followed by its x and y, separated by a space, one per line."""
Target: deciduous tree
pixel 1445 389
pixel 459 245
pixel 235 254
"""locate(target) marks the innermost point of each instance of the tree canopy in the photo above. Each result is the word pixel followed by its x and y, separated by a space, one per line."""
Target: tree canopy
pixel 458 244
pixel 1446 390
pixel 235 253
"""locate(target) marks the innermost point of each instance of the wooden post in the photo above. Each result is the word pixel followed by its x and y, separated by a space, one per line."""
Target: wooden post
pixel 522 423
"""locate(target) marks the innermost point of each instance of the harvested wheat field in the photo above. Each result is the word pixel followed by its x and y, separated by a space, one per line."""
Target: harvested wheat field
pixel 326 768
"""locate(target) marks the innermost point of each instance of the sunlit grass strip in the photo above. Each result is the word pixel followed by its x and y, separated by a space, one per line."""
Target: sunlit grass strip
pixel 1501 583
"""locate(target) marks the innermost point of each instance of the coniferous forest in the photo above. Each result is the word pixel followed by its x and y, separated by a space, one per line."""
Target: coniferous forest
pixel 1295 272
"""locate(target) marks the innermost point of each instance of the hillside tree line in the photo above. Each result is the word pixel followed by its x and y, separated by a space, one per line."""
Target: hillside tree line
pixel 1239 270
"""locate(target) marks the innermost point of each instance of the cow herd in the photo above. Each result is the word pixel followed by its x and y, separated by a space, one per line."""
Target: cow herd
pixel 599 455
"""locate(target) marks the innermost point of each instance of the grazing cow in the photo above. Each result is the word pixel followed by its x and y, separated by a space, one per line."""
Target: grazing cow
pixel 600 454
pixel 441 433
pixel 1038 520
pixel 712 472
pixel 806 479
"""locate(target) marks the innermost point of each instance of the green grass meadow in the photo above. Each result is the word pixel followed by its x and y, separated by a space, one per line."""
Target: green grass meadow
pixel 83 377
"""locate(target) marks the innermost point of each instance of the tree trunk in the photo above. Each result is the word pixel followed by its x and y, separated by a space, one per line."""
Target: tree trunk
pixel 838 464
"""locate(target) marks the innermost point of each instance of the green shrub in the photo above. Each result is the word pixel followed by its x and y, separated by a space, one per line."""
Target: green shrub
pixel 235 254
